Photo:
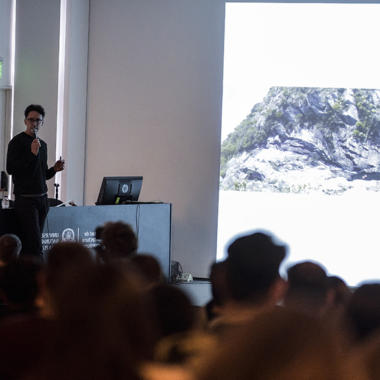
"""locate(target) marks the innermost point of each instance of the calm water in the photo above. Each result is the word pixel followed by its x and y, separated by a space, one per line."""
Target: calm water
pixel 340 232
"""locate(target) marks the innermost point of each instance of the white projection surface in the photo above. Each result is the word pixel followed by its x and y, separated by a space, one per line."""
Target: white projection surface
pixel 305 46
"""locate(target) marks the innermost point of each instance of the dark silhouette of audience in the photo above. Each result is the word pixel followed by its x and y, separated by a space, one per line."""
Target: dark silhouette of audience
pixel 181 340
pixel 363 312
pixel 253 268
pixel 118 240
pixel 219 289
pixel 174 311
pixel 19 286
pixel 23 332
pixel 338 292
pixel 279 344
pixel 307 288
pixel 66 264
pixel 338 296
pixel 109 314
pixel 252 278
pixel 149 267
pixel 103 329
pixel 10 248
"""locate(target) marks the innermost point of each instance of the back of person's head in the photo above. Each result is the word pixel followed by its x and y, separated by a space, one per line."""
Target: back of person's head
pixel 363 312
pixel 66 255
pixel 281 344
pixel 339 290
pixel 66 262
pixel 10 248
pixel 218 279
pixel 174 310
pixel 99 248
pixel 98 232
pixel 19 282
pixel 149 267
pixel 307 288
pixel 253 267
pixel 104 329
pixel 119 240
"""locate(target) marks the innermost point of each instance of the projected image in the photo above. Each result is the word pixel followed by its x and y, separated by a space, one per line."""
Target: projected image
pixel 300 146
pixel 302 140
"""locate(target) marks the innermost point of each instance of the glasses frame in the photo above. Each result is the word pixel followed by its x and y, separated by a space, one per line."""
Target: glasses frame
pixel 38 121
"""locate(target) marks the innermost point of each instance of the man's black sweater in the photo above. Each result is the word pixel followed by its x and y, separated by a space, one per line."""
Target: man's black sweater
pixel 29 172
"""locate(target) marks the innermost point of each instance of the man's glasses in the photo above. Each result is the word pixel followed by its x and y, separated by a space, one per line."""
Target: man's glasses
pixel 38 121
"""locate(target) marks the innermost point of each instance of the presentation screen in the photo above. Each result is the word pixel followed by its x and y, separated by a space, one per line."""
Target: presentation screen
pixel 300 153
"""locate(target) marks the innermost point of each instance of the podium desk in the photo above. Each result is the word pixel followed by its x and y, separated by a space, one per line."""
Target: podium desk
pixel 150 221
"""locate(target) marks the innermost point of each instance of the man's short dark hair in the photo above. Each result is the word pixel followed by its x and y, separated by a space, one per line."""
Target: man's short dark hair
pixel 34 107
pixel 253 266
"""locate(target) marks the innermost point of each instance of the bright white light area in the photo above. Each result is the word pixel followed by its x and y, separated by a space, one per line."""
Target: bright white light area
pixel 61 83
pixel 12 72
pixel 302 45
pixel 13 48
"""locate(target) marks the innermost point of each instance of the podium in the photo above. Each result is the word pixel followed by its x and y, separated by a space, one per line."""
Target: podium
pixel 150 221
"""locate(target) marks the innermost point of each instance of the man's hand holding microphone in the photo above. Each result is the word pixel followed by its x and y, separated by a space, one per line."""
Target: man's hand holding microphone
pixel 35 146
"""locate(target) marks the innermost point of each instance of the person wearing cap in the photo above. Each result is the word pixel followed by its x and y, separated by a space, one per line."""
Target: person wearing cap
pixel 253 280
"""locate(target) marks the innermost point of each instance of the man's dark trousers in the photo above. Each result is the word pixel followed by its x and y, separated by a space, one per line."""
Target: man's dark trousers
pixel 31 213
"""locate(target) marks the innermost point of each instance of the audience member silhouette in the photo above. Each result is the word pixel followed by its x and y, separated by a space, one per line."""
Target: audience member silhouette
pixel 279 344
pixel 149 267
pixel 119 241
pixel 19 285
pixel 103 330
pixel 66 263
pixel 307 288
pixel 367 353
pixel 219 289
pixel 10 248
pixel 108 314
pixel 338 296
pixel 23 333
pixel 174 311
pixel 363 312
pixel 180 340
pixel 99 249
pixel 338 292
pixel 253 279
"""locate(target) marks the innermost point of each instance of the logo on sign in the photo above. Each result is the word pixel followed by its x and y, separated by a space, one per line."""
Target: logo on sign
pixel 68 234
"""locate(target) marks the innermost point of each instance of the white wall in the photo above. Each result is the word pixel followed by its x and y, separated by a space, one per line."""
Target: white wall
pixel 154 109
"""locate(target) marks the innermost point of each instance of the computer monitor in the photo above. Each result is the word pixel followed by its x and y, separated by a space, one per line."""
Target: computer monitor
pixel 119 190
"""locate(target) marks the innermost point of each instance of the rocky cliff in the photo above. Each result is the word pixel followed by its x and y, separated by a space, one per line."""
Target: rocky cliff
pixel 306 139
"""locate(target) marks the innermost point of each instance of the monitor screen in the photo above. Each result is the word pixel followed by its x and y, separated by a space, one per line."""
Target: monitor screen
pixel 119 190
